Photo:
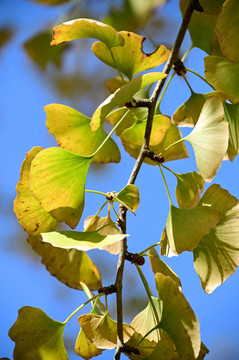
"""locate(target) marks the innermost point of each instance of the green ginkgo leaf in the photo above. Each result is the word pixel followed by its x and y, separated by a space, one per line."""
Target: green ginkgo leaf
pixel 57 180
pixel 70 266
pixel 223 75
pixel 129 196
pixel 227 30
pixel 130 58
pixel 189 189
pixel 102 330
pixel 72 131
pixel 178 318
pixel 83 241
pixel 216 257
pixel 209 138
pixel 86 28
pixel 158 265
pixel 32 217
pixel 186 227
pixel 232 116
pixel 123 95
pixel 37 336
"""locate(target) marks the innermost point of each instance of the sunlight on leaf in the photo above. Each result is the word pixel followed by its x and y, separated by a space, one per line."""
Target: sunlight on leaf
pixel 31 216
pixel 122 95
pixel 130 58
pixel 216 257
pixel 189 189
pixel 163 350
pixel 86 28
pixel 81 240
pixel 69 266
pixel 209 138
pixel 58 182
pixel 37 336
pixel 129 195
pixel 232 116
pixel 223 75
pixel 84 348
pixel 72 131
pixel 102 330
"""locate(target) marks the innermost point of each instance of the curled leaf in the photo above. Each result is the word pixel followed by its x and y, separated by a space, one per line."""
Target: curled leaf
pixel 232 117
pixel 189 189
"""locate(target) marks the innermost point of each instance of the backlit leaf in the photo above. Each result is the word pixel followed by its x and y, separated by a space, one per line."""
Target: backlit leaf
pixel 102 330
pixel 189 189
pixel 84 348
pixel 70 266
pixel 186 227
pixel 32 217
pixel 129 196
pixel 232 116
pixel 130 58
pixel 86 28
pixel 178 318
pixel 223 75
pixel 114 83
pixel 216 257
pixel 227 30
pixel 209 138
pixel 81 240
pixel 122 95
pixel 37 336
pixel 72 131
pixel 164 350
pixel 58 182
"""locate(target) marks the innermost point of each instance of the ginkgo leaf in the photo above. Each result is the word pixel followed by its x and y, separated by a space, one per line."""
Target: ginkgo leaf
pixel 84 348
pixel 189 189
pixel 209 138
pixel 129 196
pixel 227 30
pixel 102 330
pixel 58 179
pixel 98 307
pixel 86 28
pixel 37 336
pixel 70 266
pixel 123 95
pixel 232 116
pixel 72 131
pixel 178 318
pixel 158 265
pixel 32 217
pixel 223 75
pixel 186 227
pixel 216 257
pixel 93 223
pixel 130 58
pixel 81 240
pixel 188 113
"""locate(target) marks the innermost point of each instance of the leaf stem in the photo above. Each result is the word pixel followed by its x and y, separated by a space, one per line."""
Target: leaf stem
pixel 96 192
pixel 157 108
pixel 200 76
pixel 117 67
pixel 165 167
pixel 150 247
pixel 94 217
pixel 186 53
pixel 171 145
pixel 165 183
pixel 81 307
pixel 188 84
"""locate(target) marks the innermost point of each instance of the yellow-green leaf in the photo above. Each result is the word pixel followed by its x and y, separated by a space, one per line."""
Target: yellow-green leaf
pixel 37 336
pixel 209 138
pixel 32 217
pixel 223 75
pixel 86 28
pixel 129 196
pixel 163 350
pixel 102 330
pixel 122 95
pixel 189 189
pixel 186 227
pixel 70 266
pixel 81 240
pixel 232 116
pixel 72 131
pixel 130 58
pixel 58 179
pixel 216 257
pixel 84 348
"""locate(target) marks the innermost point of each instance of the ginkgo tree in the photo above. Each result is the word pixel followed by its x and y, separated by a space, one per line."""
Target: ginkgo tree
pixel 51 189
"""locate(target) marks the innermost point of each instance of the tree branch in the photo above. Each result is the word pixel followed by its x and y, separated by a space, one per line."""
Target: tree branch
pixel 151 104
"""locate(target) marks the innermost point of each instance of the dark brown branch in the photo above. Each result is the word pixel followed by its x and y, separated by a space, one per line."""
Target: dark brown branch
pixel 173 57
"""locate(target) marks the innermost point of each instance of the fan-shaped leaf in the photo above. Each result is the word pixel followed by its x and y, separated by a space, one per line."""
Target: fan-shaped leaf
pixel 72 131
pixel 70 266
pixel 232 116
pixel 122 95
pixel 163 350
pixel 58 182
pixel 129 196
pixel 84 348
pixel 32 217
pixel 209 138
pixel 86 28
pixel 217 255
pixel 37 336
pixel 189 189
pixel 130 58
